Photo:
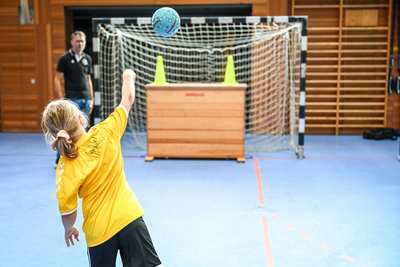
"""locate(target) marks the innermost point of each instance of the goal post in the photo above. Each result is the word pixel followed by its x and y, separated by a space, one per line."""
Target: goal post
pixel 269 56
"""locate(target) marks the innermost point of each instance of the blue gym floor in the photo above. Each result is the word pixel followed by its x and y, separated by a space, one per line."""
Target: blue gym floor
pixel 340 206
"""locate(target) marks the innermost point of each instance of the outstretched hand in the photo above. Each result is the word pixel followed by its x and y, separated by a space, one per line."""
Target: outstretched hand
pixel 129 74
pixel 70 235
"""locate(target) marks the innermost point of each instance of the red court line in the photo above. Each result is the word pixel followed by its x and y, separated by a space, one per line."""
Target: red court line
pixel 339 159
pixel 274 217
pixel 305 235
pixel 268 247
pixel 325 246
pixel 288 226
pixel 259 184
pixel 352 159
pixel 348 258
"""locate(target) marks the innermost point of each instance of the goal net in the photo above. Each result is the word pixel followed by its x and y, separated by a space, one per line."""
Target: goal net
pixel 267 57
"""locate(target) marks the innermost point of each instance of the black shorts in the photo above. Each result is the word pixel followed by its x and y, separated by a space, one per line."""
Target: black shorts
pixel 134 244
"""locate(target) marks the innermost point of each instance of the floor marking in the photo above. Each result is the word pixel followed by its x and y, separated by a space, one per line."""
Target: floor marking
pixel 259 184
pixel 278 158
pixel 348 258
pixel 352 159
pixel 341 159
pixel 268 248
pixel 325 246
pixel 309 237
pixel 306 236
pixel 267 240
pixel 288 226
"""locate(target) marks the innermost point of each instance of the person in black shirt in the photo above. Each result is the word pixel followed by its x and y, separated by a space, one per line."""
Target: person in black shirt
pixel 75 68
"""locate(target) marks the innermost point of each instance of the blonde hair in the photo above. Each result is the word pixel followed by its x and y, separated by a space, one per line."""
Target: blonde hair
pixel 64 115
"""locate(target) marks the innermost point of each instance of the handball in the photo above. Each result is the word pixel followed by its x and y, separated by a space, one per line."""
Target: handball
pixel 165 21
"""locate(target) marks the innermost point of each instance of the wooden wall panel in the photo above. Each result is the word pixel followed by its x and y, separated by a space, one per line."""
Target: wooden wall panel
pixel 278 8
pixel 393 111
pixel 9 15
pixel 12 103
pixel 12 112
pixel 11 84
pixel 57 14
pixel 260 9
pixel 361 17
pixel 1 117
pixel 9 34
pixel 27 51
pixel 393 100
pixel 18 72
pixel 10 67
pixel 346 65
pixel 9 60
pixel 58 40
pixel 28 68
pixel 10 51
pixel 44 74
pixel 29 85
pixel 61 3
pixel 30 107
pixel 26 34
pixel 204 2
pixel 14 2
pixel 103 2
pixel 58 46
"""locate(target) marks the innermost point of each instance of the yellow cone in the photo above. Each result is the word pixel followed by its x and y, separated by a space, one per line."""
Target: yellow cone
pixel 159 78
pixel 230 77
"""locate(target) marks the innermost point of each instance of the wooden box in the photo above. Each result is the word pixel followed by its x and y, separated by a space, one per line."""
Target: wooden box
pixel 195 121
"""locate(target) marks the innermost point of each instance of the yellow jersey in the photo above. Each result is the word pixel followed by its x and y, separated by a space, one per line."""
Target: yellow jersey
pixel 97 176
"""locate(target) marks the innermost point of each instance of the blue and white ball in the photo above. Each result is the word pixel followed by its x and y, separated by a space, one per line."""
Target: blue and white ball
pixel 166 22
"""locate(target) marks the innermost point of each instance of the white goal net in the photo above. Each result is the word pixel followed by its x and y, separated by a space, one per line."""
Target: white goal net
pixel 266 57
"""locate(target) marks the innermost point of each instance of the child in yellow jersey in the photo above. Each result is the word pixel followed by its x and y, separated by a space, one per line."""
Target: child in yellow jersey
pixel 91 167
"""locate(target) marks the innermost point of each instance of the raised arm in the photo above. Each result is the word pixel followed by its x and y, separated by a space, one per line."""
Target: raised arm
pixel 128 89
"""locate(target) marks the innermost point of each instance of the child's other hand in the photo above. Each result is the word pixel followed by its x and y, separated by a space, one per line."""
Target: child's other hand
pixel 69 236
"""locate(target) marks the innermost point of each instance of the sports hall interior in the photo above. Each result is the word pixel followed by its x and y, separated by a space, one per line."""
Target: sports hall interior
pixel 29 55
pixel 339 206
